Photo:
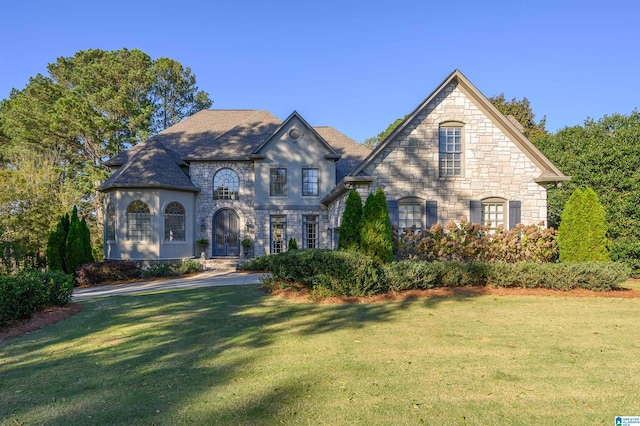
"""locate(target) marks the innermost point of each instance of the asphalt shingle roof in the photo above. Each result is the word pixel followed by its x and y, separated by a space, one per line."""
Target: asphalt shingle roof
pixel 212 135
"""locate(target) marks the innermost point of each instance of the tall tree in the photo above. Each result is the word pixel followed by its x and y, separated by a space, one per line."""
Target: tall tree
pixel 174 93
pixel 520 109
pixel 89 107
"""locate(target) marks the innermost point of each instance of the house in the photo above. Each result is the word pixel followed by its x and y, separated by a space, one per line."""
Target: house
pixel 243 174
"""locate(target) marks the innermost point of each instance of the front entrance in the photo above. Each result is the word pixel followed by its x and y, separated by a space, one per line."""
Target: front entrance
pixel 226 233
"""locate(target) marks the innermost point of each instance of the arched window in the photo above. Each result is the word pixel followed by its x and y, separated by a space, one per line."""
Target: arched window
pixel 174 225
pixel 138 222
pixel 226 185
pixel 110 224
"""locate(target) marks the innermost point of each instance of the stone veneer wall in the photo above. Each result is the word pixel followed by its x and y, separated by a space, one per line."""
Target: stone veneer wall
pixel 493 166
pixel 293 229
pixel 202 173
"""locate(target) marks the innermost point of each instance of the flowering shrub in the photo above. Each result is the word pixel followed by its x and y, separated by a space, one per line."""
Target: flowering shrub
pixel 471 242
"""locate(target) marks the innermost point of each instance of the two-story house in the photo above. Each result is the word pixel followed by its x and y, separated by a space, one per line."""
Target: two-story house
pixel 231 175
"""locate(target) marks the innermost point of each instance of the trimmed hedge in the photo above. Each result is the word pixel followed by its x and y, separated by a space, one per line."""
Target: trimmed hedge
pixel 27 292
pixel 354 274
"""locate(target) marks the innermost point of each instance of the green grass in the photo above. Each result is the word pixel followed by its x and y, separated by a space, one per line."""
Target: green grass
pixel 234 355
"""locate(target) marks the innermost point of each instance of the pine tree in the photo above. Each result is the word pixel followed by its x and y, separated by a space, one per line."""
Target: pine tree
pixel 582 235
pixel 349 233
pixel 375 234
pixel 57 246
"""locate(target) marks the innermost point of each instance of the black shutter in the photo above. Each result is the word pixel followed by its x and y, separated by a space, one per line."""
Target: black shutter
pixel 514 213
pixel 431 208
pixel 475 212
pixel 393 212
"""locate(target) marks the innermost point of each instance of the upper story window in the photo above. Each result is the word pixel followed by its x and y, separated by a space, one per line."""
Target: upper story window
pixel 226 185
pixel 278 182
pixel 110 222
pixel 138 221
pixel 450 150
pixel 310 181
pixel 174 223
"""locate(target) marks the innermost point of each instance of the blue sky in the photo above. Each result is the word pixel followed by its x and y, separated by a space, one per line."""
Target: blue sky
pixel 356 66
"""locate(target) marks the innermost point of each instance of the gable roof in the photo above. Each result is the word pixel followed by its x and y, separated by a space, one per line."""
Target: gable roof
pixel 550 173
pixel 215 135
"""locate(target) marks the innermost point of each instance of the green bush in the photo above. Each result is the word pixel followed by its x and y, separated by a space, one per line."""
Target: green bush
pixel 159 270
pixel 343 272
pixel 375 228
pixel 293 244
pixel 598 276
pixel 260 263
pixel 27 292
pixel 582 236
pixel 349 232
pixel 189 266
pixel 107 270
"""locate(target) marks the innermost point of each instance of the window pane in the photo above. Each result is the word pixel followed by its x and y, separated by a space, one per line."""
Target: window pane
pixel 138 222
pixel 450 151
pixel 278 181
pixel 310 232
pixel 309 181
pixel 492 215
pixel 410 215
pixel 226 185
pixel 174 223
pixel 278 236
pixel 111 222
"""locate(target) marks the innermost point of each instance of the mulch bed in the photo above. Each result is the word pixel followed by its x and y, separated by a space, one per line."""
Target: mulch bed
pixel 39 320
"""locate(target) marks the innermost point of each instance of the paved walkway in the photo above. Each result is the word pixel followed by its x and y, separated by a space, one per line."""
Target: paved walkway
pixel 204 279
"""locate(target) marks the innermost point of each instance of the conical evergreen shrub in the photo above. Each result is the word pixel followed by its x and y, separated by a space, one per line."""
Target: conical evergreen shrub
pixel 582 235
pixel 349 233
pixel 375 233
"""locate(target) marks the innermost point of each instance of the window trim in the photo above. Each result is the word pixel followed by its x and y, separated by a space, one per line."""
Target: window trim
pixel 317 181
pixel 455 125
pixel 272 182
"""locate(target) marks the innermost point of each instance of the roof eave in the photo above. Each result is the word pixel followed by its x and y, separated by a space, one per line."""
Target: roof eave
pixel 104 188
pixel 345 185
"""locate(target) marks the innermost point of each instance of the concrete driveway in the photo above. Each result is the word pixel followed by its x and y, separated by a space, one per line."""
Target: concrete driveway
pixel 204 279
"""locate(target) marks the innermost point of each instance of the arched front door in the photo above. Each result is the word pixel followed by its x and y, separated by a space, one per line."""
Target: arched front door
pixel 226 233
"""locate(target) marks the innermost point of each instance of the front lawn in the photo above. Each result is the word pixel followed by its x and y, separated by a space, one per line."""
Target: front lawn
pixel 235 355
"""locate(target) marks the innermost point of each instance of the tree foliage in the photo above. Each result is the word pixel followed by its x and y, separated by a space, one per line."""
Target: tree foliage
pixel 520 109
pixel 57 132
pixel 582 236
pixel 604 155
pixel 174 93
pixel 374 141
pixel 349 233
pixel 375 230
pixel 69 245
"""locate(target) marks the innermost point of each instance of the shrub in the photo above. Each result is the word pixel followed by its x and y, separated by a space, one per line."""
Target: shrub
pixel 26 292
pixel 342 272
pixel 189 266
pixel 349 232
pixel 582 235
pixel 107 270
pixel 375 228
pixel 260 263
pixel 470 242
pixel 159 270
pixel 599 276
pixel 293 245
